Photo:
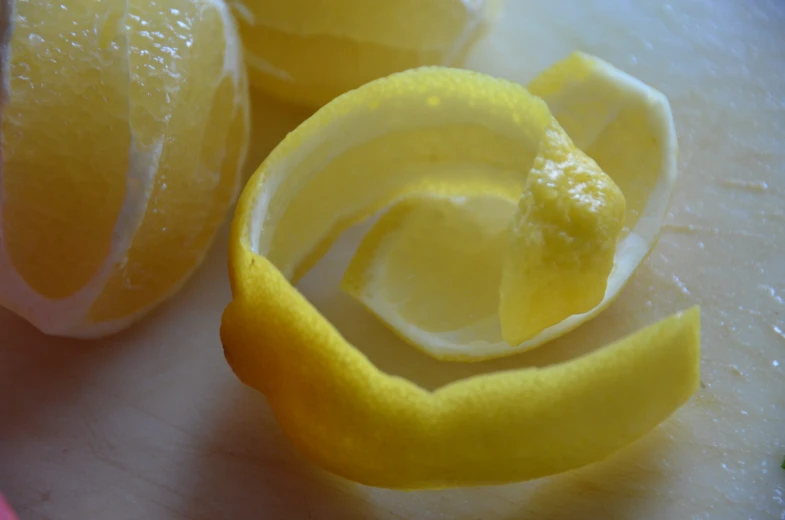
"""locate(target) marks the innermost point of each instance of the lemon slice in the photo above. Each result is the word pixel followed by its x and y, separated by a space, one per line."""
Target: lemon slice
pixel 434 133
pixel 568 256
pixel 124 130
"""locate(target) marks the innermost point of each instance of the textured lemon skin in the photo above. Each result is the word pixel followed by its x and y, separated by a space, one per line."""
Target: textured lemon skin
pixel 377 429
pixel 381 430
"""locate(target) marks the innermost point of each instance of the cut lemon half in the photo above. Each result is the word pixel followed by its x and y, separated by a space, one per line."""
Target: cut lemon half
pixel 567 255
pixel 405 141
pixel 309 51
pixel 124 130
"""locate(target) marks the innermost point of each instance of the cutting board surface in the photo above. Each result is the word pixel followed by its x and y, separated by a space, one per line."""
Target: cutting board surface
pixel 152 424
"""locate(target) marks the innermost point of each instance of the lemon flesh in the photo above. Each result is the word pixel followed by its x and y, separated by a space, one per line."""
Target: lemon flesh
pixel 124 127
pixel 568 255
pixel 418 142
pixel 309 52
pixel 563 241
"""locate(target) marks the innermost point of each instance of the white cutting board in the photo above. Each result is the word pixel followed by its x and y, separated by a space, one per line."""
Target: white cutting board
pixel 151 424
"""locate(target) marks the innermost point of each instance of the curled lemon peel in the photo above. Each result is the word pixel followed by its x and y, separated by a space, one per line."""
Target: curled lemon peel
pixel 623 125
pixel 385 142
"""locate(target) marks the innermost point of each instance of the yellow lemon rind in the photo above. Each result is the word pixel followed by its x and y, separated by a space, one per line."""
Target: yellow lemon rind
pixel 382 430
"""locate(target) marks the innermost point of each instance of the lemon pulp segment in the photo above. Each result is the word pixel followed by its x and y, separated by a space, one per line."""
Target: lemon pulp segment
pixel 61 193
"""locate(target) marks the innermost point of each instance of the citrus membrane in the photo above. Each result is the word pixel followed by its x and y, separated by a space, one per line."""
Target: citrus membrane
pixel 576 239
pixel 451 149
pixel 309 52
pixel 124 130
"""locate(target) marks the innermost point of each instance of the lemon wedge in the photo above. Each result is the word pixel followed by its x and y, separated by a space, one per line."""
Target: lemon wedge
pixel 309 52
pixel 568 255
pixel 124 130
pixel 450 150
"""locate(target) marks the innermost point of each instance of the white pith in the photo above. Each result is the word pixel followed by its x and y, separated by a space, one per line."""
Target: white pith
pixel 264 66
pixel 475 16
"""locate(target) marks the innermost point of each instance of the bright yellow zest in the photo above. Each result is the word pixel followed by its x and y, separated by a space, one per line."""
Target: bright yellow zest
pixel 124 127
pixel 309 52
pixel 458 157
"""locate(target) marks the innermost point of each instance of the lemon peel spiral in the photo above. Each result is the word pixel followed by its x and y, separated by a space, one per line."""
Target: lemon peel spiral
pixel 434 134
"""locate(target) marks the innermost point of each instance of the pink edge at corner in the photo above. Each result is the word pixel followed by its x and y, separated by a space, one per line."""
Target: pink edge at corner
pixel 5 510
